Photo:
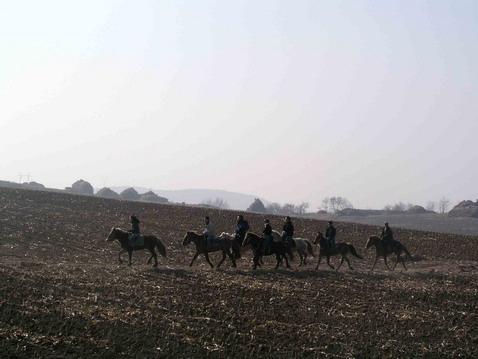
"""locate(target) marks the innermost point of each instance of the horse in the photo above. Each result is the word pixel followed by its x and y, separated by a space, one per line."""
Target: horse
pixel 278 248
pixel 381 251
pixel 303 247
pixel 340 248
pixel 150 243
pixel 219 244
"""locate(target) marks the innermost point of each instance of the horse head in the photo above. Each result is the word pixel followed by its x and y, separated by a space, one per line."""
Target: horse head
pixel 372 241
pixel 113 235
pixel 190 237
pixel 320 240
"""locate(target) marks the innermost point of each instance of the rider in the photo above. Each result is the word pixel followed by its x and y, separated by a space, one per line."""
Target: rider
pixel 241 227
pixel 387 236
pixel 330 233
pixel 267 237
pixel 287 229
pixel 208 231
pixel 134 231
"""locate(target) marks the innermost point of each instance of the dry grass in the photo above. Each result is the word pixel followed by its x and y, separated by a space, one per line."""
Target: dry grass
pixel 62 294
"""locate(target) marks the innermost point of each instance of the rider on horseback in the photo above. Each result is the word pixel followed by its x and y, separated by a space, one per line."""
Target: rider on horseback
pixel 330 233
pixel 266 237
pixel 387 237
pixel 241 228
pixel 208 231
pixel 134 231
pixel 287 230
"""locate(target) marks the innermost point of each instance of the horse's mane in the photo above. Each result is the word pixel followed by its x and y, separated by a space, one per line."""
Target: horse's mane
pixel 373 236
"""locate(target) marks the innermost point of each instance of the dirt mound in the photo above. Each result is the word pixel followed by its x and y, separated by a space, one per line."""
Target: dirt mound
pixel 81 187
pixel 152 197
pixel 107 193
pixel 465 209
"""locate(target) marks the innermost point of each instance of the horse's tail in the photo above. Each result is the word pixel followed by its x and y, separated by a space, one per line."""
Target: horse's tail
pixel 236 249
pixel 310 249
pixel 354 252
pixel 160 246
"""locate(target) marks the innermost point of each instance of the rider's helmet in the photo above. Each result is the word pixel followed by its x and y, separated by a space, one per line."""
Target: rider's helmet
pixel 266 221
pixel 134 219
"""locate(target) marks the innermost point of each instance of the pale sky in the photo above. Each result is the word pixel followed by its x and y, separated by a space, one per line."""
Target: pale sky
pixel 293 101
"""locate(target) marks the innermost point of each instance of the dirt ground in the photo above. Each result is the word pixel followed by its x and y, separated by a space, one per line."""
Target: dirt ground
pixel 63 294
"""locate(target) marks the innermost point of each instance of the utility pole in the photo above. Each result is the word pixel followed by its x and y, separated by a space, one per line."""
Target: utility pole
pixel 24 175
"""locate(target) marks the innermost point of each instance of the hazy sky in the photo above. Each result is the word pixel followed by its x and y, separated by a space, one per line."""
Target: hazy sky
pixel 293 101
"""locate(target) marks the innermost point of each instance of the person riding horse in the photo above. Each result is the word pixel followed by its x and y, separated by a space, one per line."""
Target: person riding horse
pixel 134 232
pixel 266 238
pixel 241 228
pixel 208 232
pixel 287 230
pixel 330 234
pixel 387 237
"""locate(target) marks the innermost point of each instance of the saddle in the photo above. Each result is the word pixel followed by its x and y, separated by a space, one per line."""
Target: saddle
pixel 136 240
pixel 290 241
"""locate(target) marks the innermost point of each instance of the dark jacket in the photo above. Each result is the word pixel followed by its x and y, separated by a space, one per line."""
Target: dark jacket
pixel 288 229
pixel 267 230
pixel 241 228
pixel 134 227
pixel 330 232
pixel 387 233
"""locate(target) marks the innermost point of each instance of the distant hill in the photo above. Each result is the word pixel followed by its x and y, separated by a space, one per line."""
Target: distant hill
pixel 235 200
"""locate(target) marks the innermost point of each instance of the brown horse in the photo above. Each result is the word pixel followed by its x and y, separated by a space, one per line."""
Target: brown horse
pixel 150 242
pixel 340 248
pixel 278 248
pixel 219 244
pixel 381 251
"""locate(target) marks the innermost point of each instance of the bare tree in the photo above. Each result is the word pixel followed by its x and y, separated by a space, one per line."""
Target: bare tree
pixel 339 203
pixel 443 204
pixel 325 204
pixel 431 206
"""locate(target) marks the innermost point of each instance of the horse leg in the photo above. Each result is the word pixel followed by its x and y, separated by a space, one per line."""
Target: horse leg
pixel 233 260
pixel 341 261
pixel 207 259
pixel 130 254
pixel 301 258
pixel 348 262
pixel 194 258
pixel 255 261
pixel 396 262
pixel 318 263
pixel 328 262
pixel 305 259
pixel 403 263
pixel 153 255
pixel 119 256
pixel 386 263
pixel 374 263
pixel 286 261
pixel 222 260
pixel 278 260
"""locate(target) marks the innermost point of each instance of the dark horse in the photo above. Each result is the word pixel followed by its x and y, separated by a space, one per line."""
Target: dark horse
pixel 380 251
pixel 278 248
pixel 340 248
pixel 150 242
pixel 219 244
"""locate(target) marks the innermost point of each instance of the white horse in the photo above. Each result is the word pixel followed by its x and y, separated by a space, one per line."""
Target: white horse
pixel 303 247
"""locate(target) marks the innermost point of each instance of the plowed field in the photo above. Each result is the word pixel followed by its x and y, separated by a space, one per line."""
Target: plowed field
pixel 63 294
